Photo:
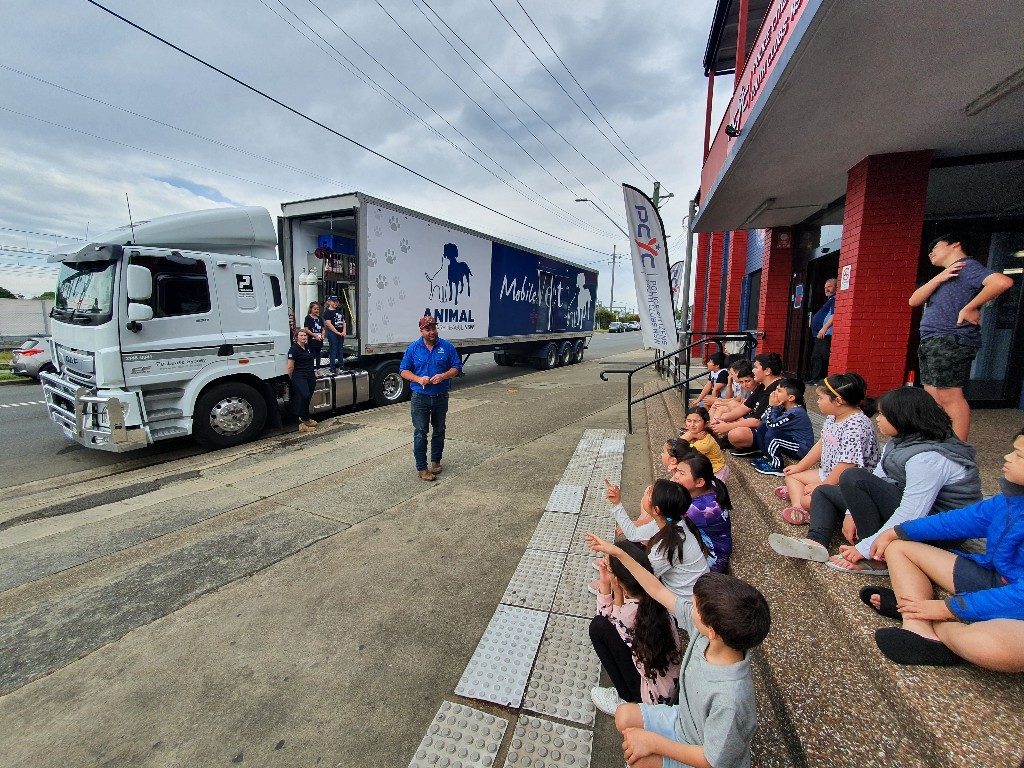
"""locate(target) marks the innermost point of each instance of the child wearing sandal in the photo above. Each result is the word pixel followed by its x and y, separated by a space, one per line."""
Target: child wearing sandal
pixel 785 431
pixel 677 553
pixel 697 436
pixel 924 469
pixel 847 440
pixel 982 621
pixel 634 637
pixel 715 720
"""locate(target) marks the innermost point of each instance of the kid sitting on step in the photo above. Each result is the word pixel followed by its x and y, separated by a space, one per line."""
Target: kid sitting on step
pixel 982 621
pixel 697 436
pixel 715 720
pixel 785 431
pixel 634 637
pixel 737 389
pixel 710 508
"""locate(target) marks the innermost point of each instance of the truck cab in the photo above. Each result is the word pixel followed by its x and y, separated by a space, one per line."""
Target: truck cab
pixel 168 328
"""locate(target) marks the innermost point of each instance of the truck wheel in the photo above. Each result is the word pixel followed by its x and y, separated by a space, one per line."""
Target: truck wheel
pixel 548 357
pixel 565 353
pixel 500 358
pixel 577 351
pixel 388 386
pixel 228 414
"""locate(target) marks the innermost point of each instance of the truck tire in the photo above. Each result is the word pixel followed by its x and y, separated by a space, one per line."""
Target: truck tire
pixel 500 358
pixel 547 357
pixel 565 353
pixel 577 351
pixel 387 386
pixel 228 414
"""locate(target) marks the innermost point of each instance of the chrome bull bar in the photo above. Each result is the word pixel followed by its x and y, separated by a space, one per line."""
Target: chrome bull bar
pixel 83 420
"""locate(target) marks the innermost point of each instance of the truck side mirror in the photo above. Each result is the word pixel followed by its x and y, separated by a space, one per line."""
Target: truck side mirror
pixel 140 285
pixel 138 313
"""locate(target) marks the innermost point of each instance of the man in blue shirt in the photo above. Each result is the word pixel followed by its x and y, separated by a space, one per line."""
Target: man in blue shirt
pixel 429 364
pixel 821 332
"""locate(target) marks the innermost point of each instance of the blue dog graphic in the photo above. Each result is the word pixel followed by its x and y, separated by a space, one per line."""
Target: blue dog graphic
pixel 458 273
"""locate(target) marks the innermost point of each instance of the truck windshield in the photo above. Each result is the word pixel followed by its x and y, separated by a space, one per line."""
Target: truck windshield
pixel 85 292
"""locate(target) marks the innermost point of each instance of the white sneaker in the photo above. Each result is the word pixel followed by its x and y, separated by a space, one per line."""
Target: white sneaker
pixel 606 699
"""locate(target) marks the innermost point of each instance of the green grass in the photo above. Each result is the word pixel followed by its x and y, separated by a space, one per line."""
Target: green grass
pixel 5 367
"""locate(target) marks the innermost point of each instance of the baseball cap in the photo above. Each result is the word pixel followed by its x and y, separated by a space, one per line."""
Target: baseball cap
pixel 332 297
pixel 426 322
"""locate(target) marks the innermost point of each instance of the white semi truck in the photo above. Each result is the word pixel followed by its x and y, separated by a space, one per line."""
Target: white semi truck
pixel 181 325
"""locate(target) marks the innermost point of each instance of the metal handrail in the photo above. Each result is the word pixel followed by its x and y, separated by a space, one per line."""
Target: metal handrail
pixel 719 337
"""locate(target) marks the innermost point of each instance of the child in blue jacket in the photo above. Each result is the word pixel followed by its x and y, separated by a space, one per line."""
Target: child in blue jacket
pixel 983 619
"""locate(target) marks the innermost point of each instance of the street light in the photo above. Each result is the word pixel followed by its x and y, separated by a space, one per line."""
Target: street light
pixel 599 208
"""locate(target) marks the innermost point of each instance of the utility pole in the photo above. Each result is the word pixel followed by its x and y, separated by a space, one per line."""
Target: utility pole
pixel 611 298
pixel 657 195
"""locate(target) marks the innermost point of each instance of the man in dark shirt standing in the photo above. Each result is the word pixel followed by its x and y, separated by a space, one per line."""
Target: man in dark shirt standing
pixel 821 331
pixel 429 364
pixel 951 325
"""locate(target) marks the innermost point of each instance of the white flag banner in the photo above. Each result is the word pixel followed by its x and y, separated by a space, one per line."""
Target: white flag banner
pixel 650 270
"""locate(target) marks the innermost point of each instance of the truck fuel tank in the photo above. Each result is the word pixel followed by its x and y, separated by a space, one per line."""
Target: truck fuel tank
pixel 340 390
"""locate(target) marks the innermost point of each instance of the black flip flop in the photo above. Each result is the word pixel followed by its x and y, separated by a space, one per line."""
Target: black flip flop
pixel 887 601
pixel 905 647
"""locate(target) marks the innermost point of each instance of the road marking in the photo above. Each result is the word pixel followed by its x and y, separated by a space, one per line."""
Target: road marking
pixel 17 405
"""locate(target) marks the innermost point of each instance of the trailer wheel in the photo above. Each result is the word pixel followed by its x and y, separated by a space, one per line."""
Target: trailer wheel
pixel 388 386
pixel 500 358
pixel 228 414
pixel 548 358
pixel 565 353
pixel 577 351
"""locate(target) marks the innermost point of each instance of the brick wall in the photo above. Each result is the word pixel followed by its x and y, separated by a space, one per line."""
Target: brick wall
pixel 776 273
pixel 715 281
pixel 882 223
pixel 700 275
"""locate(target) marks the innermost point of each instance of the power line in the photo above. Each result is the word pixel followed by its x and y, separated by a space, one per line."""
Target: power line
pixel 527 104
pixel 330 130
pixel 559 84
pixel 583 90
pixel 363 76
pixel 41 234
pixel 504 103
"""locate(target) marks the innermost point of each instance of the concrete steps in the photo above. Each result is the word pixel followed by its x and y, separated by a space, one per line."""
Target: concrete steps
pixel 826 695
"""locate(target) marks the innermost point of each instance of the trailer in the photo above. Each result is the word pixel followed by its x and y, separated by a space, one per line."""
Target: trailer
pixel 181 325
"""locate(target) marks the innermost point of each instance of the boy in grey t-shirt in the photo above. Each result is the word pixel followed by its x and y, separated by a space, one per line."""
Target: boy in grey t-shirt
pixel 716 717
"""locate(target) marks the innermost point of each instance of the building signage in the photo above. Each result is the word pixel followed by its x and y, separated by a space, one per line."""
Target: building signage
pixel 844 279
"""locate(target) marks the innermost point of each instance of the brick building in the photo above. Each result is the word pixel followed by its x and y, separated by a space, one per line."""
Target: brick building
pixel 856 133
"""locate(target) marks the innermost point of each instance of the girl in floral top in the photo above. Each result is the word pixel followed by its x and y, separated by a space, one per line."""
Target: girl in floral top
pixel 634 637
pixel 848 439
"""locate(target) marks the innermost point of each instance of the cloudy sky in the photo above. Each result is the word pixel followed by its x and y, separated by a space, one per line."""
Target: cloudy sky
pixel 92 109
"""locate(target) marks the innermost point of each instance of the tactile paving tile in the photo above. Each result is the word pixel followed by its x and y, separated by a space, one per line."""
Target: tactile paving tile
pixel 566 669
pixel 602 526
pixel 596 505
pixel 461 737
pixel 617 433
pixel 613 445
pixel 554 532
pixel 538 743
pixel 536 578
pixel 565 498
pixel 501 663
pixel 572 597
pixel 578 473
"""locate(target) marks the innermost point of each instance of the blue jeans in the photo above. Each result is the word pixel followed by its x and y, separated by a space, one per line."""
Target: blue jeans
pixel 428 412
pixel 334 356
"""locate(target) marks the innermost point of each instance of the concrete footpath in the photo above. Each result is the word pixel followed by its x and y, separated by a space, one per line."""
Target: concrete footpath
pixel 296 602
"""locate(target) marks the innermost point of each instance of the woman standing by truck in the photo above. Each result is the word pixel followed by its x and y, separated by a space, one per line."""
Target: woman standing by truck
pixel 303 378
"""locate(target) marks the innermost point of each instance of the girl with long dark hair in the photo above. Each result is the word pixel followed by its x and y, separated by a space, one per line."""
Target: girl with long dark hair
pixel 635 638
pixel 709 508
pixel 924 469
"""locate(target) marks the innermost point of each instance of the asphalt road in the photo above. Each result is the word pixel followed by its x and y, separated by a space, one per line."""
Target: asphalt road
pixel 36 448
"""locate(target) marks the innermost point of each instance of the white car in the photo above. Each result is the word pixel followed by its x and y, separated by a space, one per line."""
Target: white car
pixel 32 357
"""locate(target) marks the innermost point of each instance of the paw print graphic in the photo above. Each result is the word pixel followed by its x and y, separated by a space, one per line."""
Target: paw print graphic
pixel 389 256
pixel 393 223
pixel 378 230
pixel 371 259
pixel 394 281
pixel 380 307
pixel 381 281
pixel 404 245
pixel 391 301
pixel 401 295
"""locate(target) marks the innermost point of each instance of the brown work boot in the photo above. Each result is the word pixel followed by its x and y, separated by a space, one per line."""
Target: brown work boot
pixel 311 424
pixel 436 467
pixel 303 427
pixel 426 475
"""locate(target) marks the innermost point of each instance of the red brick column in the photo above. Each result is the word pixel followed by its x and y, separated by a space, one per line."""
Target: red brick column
pixel 734 280
pixel 700 272
pixel 882 222
pixel 715 283
pixel 776 275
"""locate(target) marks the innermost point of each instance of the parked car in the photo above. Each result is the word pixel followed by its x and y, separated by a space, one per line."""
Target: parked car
pixel 32 357
pixel 634 325
pixel 616 327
